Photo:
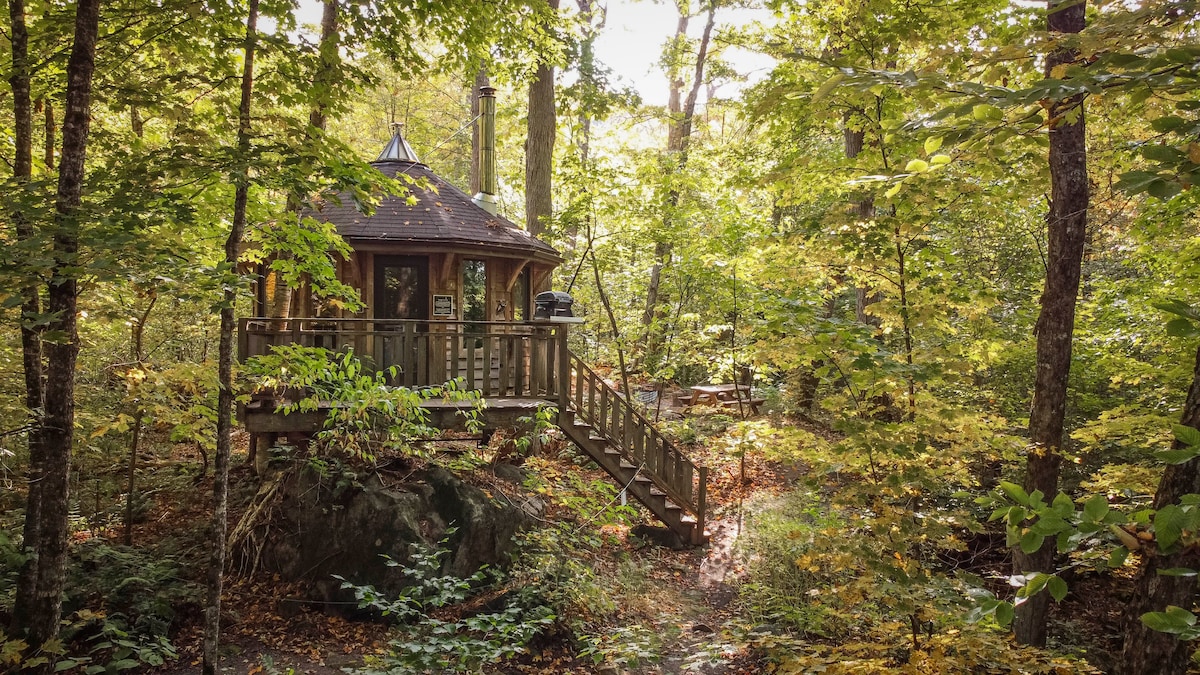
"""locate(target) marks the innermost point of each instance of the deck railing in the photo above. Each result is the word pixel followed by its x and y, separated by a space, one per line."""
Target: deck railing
pixel 500 359
pixel 598 404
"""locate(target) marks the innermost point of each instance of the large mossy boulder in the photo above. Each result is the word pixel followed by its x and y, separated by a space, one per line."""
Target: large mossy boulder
pixel 327 526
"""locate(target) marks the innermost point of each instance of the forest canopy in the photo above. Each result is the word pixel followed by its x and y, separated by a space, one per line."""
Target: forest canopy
pixel 950 251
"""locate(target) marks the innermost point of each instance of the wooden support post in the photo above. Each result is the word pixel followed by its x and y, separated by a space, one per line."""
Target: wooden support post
pixel 701 506
pixel 564 371
pixel 243 340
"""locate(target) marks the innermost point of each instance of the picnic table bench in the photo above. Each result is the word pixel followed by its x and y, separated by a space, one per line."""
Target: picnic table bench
pixel 728 395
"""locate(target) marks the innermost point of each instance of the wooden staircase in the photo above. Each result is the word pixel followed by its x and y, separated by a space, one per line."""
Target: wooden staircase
pixel 625 444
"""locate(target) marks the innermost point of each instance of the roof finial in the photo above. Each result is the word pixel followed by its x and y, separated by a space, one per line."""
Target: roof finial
pixel 398 149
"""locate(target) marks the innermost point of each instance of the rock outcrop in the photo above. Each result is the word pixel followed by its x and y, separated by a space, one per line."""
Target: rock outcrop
pixel 338 526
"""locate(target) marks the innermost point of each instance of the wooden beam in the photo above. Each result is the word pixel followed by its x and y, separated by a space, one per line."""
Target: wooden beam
pixel 540 276
pixel 448 260
pixel 512 279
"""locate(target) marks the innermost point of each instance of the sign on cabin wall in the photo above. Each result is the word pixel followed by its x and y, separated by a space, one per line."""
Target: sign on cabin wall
pixel 443 305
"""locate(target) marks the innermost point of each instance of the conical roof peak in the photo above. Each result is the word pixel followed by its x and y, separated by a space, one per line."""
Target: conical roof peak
pixel 398 149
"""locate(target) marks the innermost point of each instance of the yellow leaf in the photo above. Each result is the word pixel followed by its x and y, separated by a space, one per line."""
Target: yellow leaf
pixel 916 166
pixel 1193 152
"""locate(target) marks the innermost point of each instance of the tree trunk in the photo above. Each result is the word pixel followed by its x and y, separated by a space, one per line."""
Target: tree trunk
pixel 1146 651
pixel 329 48
pixel 542 127
pixel 1067 234
pixel 138 334
pixel 49 141
pixel 679 132
pixel 31 343
pixel 216 563
pixel 58 435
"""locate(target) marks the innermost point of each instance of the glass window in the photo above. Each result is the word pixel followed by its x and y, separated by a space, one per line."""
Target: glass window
pixel 474 274
pixel 520 296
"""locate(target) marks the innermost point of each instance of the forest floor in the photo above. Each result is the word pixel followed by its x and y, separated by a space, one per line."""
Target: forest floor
pixel 686 600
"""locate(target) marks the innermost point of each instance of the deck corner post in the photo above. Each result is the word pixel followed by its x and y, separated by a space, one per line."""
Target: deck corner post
pixel 701 505
pixel 296 338
pixel 564 370
pixel 243 341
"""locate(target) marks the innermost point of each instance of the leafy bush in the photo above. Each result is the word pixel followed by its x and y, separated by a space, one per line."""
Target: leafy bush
pixel 369 415
pixel 427 644
pixel 136 590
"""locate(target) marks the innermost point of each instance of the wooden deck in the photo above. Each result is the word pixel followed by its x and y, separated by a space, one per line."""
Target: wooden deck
pixel 517 368
pixel 261 417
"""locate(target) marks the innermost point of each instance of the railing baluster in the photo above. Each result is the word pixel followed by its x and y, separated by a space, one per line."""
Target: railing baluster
pixel 604 417
pixel 455 355
pixel 487 366
pixel 627 431
pixel 552 366
pixel 421 351
pixel 506 349
pixel 522 378
pixel 578 384
pixel 469 357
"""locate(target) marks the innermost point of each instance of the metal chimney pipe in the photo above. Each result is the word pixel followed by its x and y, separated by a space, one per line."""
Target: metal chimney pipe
pixel 486 199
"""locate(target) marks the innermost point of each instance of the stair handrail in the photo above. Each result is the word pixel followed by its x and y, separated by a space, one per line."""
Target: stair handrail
pixel 694 506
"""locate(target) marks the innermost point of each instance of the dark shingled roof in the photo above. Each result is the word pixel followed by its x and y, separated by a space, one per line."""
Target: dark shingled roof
pixel 447 216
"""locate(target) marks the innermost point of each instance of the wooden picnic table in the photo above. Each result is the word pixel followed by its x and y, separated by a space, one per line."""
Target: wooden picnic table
pixel 714 394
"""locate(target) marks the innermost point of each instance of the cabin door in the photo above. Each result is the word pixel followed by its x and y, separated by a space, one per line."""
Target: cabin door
pixel 402 292
pixel 401 287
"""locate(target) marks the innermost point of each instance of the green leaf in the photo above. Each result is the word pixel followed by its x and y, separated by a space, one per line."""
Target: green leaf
pixel 1096 508
pixel 1057 588
pixel 932 144
pixel 1175 620
pixel 1177 572
pixel 1177 456
pixel 1186 435
pixel 1015 492
pixel 1063 505
pixel 916 166
pixel 1178 308
pixel 1031 541
pixel 829 85
pixel 1118 556
pixel 1180 327
pixel 984 112
pixel 1164 189
pixel 1168 525
pixel 1004 613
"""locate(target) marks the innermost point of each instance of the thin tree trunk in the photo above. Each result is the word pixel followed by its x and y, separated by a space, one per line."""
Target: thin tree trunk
pixel 1067 234
pixel 679 132
pixel 59 420
pixel 135 440
pixel 612 322
pixel 590 87
pixel 31 343
pixel 49 133
pixel 1146 651
pixel 541 128
pixel 216 563
pixel 329 48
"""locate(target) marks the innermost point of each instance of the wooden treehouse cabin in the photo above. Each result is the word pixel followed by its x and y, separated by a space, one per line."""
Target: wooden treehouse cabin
pixel 448 287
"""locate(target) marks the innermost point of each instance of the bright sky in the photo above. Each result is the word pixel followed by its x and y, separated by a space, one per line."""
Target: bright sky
pixel 632 41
